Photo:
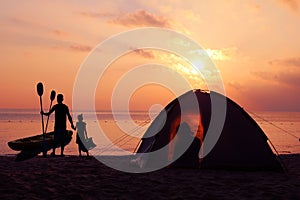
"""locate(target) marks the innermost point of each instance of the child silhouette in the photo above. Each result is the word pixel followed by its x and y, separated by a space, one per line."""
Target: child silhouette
pixel 81 136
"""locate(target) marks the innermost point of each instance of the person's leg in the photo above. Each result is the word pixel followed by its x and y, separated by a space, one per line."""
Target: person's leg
pixel 62 141
pixel 62 149
pixel 54 144
pixel 79 150
pixel 87 153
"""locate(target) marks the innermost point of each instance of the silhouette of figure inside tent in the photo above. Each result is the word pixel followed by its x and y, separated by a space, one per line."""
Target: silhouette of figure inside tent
pixel 81 136
pixel 60 124
pixel 190 158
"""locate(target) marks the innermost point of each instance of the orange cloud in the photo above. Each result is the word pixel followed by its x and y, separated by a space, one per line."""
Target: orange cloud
pixel 72 46
pixel 290 78
pixel 289 62
pixel 79 47
pixel 142 18
pixel 19 21
pixel 235 85
pixel 292 4
pixel 138 18
pixel 59 33
pixel 99 14
pixel 144 53
pixel 222 54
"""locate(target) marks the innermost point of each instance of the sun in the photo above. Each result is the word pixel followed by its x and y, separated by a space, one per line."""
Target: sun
pixel 181 66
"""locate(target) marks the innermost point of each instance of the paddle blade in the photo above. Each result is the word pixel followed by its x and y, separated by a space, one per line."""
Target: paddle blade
pixel 40 88
pixel 52 95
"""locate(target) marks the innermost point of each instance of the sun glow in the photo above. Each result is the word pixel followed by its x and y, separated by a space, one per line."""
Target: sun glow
pixel 187 70
pixel 221 54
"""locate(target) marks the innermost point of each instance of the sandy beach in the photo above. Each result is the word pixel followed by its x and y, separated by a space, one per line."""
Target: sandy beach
pixel 73 177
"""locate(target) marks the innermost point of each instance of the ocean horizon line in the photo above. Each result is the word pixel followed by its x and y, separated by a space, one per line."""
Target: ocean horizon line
pixel 89 111
pixel 137 111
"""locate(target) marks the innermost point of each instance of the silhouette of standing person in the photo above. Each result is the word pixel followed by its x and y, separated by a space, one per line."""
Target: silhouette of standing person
pixel 60 124
pixel 81 135
pixel 190 158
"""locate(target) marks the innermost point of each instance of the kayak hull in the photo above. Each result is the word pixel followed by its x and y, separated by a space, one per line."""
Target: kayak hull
pixel 36 143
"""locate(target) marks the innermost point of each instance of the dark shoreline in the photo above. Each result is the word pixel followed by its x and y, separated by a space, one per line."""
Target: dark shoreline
pixel 74 177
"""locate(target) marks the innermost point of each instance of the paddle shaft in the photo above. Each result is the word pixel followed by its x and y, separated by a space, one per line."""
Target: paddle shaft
pixel 48 118
pixel 52 97
pixel 44 136
pixel 41 103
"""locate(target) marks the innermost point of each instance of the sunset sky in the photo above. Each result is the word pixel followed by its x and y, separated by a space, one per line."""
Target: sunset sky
pixel 254 44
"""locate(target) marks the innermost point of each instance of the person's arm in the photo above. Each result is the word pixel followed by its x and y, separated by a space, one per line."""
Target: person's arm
pixel 70 119
pixel 48 113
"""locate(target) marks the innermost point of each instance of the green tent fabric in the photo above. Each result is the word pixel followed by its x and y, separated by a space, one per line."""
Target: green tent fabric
pixel 241 145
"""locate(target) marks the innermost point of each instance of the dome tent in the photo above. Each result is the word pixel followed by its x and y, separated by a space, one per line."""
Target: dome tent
pixel 242 143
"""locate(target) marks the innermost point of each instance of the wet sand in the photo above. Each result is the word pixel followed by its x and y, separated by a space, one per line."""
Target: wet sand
pixel 73 177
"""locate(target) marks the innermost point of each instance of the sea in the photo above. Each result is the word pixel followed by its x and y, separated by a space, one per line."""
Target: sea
pixel 120 133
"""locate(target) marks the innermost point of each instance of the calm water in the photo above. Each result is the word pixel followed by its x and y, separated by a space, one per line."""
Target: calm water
pixel 16 124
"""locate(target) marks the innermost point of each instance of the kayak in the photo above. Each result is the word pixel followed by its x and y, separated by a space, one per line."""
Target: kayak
pixel 35 143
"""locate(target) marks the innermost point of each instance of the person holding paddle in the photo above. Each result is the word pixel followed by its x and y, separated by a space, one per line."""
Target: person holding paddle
pixel 60 124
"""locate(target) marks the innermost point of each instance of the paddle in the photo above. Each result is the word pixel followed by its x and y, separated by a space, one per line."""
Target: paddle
pixel 40 91
pixel 52 97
